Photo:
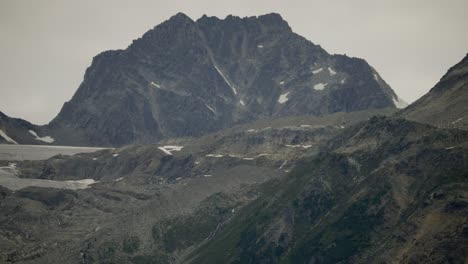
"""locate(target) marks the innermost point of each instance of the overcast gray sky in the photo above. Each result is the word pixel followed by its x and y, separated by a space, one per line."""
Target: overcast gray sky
pixel 46 45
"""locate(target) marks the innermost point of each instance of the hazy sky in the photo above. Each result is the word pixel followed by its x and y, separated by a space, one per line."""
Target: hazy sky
pixel 46 45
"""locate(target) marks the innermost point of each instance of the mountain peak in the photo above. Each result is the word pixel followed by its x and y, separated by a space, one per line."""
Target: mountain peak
pixel 271 20
pixel 272 17
pixel 180 17
pixel 211 74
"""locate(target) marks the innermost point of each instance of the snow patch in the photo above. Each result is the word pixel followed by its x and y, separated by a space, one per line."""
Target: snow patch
pixel 252 130
pixel 11 168
pixel 283 98
pixel 169 149
pixel 320 86
pixel 458 120
pixel 94 158
pixel 399 103
pixel 242 102
pixel 331 71
pixel 7 138
pixel 207 175
pixel 115 155
pixel 305 126
pixel 211 109
pixel 376 77
pixel 343 81
pixel 260 46
pixel 299 146
pixel 282 165
pixel 282 82
pixel 317 71
pixel 46 139
pixel 85 183
pixel 155 85
pixel 248 158
pixel 450 148
pixel 119 179
pixel 215 155
pixel 226 80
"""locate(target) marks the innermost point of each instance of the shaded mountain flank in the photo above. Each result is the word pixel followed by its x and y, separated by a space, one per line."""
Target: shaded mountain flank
pixel 191 78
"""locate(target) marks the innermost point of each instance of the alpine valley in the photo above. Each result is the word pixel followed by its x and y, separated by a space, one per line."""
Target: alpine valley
pixel 238 141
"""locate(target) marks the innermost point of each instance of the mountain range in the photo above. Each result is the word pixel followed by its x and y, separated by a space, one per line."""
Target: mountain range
pixel 237 141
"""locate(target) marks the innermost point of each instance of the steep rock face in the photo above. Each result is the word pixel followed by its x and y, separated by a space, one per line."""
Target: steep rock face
pixel 446 104
pixel 187 78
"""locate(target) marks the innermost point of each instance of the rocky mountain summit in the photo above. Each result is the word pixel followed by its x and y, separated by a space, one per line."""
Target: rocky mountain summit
pixel 191 78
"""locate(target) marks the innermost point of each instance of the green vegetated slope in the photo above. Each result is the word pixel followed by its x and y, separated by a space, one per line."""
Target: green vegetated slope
pixel 387 191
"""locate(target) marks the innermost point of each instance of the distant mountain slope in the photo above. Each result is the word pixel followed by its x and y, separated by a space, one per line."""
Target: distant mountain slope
pixel 190 78
pixel 19 131
pixel 445 105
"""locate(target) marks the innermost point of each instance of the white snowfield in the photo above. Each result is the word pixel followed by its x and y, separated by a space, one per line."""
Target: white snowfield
pixel 215 155
pixel 169 149
pixel 283 164
pixel 283 98
pixel 226 80
pixel 46 139
pixel 317 71
pixel 376 77
pixel 299 146
pixel 210 108
pixel 458 120
pixel 9 179
pixel 39 152
pixel 155 85
pixel 6 137
pixel 320 86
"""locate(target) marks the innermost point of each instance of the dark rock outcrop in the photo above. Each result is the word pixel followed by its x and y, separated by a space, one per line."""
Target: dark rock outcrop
pixel 190 78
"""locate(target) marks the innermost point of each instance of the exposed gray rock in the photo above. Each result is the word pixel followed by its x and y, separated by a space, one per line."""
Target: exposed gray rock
pixel 190 78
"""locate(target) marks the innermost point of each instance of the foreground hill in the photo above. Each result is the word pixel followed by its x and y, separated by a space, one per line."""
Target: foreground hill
pixel 380 190
pixel 141 189
pixel 386 191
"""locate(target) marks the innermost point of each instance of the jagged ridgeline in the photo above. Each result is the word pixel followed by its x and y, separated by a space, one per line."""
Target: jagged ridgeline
pixel 190 78
pixel 269 150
